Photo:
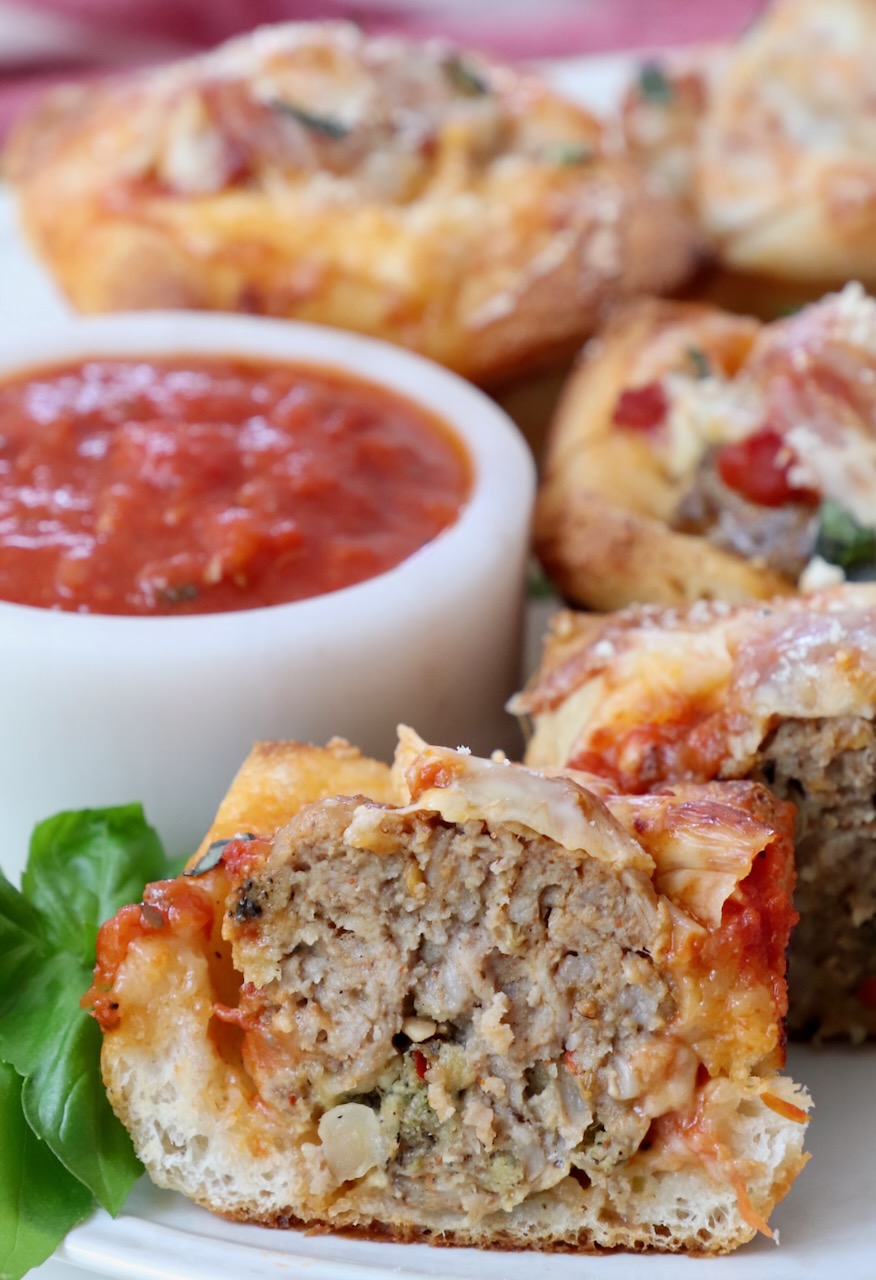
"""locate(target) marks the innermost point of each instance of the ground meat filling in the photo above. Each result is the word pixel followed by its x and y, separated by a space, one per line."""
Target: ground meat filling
pixel 781 537
pixel 465 1011
pixel 827 768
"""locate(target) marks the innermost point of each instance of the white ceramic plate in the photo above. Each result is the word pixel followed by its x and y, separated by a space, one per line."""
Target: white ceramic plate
pixel 827 1225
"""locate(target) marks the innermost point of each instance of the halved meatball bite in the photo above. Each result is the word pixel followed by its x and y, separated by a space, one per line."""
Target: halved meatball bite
pixel 503 1009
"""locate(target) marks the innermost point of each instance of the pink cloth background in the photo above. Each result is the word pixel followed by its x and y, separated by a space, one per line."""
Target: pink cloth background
pixel 512 29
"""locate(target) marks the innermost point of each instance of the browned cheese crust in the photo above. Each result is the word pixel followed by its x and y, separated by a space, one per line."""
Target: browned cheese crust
pixel 432 198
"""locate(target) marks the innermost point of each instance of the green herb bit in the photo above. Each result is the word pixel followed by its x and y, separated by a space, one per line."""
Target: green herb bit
pixel 325 125
pixel 841 540
pixel 567 154
pixel 538 584
pixel 179 593
pixel 699 362
pixel 654 85
pixel 465 78
pixel 213 855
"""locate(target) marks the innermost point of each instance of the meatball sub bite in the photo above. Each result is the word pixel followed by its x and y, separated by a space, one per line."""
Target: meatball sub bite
pixel 783 693
pixel 700 454
pixel 493 1011
pixel 406 190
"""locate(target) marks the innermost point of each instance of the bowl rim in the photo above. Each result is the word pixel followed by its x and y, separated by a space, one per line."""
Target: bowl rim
pixel 503 469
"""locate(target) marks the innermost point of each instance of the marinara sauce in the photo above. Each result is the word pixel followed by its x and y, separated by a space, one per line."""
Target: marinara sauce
pixel 205 484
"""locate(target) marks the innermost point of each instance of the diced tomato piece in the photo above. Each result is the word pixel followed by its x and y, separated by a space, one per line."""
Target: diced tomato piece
pixel 759 468
pixel 641 408
pixel 421 1063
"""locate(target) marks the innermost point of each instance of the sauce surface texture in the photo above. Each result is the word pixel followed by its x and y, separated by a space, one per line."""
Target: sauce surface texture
pixel 206 484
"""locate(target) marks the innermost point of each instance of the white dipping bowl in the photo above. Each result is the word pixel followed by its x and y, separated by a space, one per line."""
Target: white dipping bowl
pixel 99 710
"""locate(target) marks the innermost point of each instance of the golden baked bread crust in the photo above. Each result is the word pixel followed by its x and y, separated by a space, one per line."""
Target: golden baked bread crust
pixel 278 778
pixel 435 199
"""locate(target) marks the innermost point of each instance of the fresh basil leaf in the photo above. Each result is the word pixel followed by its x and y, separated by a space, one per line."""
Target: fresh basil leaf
pixel 65 1103
pixel 33 1011
pixel 17 917
pixel 84 865
pixel 22 948
pixel 82 868
pixel 39 1200
pixel 654 84
pixel 841 540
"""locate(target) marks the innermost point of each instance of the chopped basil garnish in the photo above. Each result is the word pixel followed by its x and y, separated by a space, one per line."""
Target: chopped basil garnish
pixel 699 362
pixel 465 78
pixel 213 856
pixel 571 153
pixel 841 540
pixel 654 84
pixel 325 125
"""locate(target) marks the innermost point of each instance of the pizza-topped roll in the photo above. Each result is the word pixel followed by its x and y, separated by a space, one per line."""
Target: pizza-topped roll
pixel 498 1008
pixel 699 454
pixel 407 190
pixel 786 166
pixel 783 693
